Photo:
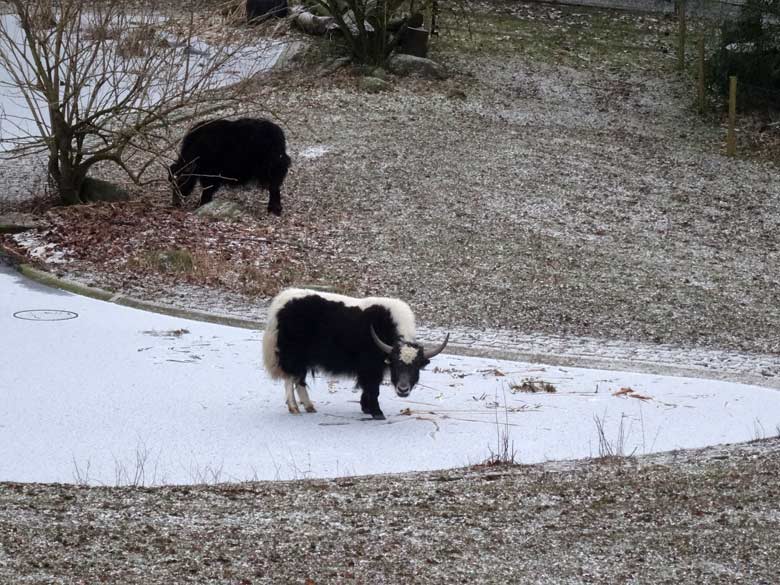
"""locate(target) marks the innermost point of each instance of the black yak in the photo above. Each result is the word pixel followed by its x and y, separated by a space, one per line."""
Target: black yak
pixel 258 10
pixel 362 338
pixel 231 152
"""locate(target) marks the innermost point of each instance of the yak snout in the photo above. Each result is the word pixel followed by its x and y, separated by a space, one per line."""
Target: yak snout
pixel 403 389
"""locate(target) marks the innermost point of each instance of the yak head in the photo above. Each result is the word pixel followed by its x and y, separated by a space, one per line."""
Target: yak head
pixel 405 360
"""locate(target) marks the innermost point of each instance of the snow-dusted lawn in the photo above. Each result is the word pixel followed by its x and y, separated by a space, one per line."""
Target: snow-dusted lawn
pixel 118 395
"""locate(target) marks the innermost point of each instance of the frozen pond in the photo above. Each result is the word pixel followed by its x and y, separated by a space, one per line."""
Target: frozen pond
pixel 97 393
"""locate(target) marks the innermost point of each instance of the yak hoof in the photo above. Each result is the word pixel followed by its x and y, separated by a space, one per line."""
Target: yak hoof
pixel 275 209
pixel 293 409
pixel 311 408
pixel 378 416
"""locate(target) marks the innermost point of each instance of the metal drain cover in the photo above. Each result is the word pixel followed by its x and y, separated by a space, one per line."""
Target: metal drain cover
pixel 45 315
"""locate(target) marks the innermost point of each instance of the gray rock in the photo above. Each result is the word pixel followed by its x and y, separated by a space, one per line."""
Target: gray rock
pixel 373 84
pixel 401 64
pixel 190 50
pixel 290 53
pixel 312 23
pixel 223 210
pixel 100 190
pixel 333 66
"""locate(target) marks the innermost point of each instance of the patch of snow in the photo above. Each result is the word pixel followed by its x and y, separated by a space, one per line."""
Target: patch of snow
pixel 40 250
pixel 315 151
pixel 154 408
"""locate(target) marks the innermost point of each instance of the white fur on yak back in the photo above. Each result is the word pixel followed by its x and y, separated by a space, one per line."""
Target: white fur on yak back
pixel 401 313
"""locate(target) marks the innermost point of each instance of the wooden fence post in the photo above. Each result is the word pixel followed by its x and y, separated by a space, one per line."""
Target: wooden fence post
pixel 701 73
pixel 682 33
pixel 731 139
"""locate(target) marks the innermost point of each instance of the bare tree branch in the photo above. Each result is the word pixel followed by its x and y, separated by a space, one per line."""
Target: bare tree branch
pixel 101 84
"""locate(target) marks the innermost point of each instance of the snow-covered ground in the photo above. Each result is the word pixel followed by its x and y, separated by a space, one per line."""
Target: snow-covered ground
pixel 114 395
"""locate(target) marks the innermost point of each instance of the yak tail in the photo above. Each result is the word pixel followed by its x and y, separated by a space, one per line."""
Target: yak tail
pixel 270 353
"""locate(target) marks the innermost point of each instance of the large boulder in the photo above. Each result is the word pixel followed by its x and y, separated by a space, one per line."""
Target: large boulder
pixel 259 10
pixel 401 64
pixel 414 41
pixel 12 223
pixel 223 210
pixel 311 23
pixel 373 84
pixel 99 190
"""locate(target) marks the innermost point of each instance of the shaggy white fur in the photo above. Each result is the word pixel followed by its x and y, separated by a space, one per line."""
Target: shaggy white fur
pixel 408 354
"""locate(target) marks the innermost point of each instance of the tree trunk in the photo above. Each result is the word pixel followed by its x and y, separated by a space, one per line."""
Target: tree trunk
pixel 66 178
pixel 66 175
pixel 70 186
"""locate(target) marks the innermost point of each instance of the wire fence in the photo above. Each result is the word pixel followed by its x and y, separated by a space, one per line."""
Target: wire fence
pixel 699 26
pixel 745 43
pixel 725 8
pixel 710 50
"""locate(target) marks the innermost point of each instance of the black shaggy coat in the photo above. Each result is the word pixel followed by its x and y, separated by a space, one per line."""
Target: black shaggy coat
pixel 319 334
pixel 232 152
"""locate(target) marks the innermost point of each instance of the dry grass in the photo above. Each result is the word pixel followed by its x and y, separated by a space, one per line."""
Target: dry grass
pixel 103 31
pixel 137 42
pixel 504 452
pixel 533 386
pixel 705 516
pixel 611 449
pixel 165 262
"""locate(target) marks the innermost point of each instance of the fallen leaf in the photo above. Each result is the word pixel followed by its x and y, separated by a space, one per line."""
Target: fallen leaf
pixel 640 396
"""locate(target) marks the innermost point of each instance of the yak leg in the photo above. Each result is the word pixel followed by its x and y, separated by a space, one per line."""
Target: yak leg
pixel 210 187
pixel 364 403
pixel 303 394
pixel 289 396
pixel 369 399
pixel 275 199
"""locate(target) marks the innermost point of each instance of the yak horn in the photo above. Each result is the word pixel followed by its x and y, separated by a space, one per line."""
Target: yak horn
pixel 429 353
pixel 379 343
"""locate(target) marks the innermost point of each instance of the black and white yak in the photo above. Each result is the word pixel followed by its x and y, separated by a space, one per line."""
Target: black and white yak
pixel 231 152
pixel 312 331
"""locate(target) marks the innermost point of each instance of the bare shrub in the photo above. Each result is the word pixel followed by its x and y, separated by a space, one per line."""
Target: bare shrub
pixel 137 42
pixel 101 86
